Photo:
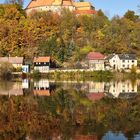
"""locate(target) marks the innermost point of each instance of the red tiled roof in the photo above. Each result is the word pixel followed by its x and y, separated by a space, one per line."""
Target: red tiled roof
pixel 95 96
pixel 85 12
pixel 95 56
pixel 42 92
pixel 67 3
pixel 38 3
pixel 82 137
pixel 42 59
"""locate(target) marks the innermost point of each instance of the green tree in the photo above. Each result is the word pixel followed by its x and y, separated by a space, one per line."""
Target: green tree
pixel 6 70
pixel 131 15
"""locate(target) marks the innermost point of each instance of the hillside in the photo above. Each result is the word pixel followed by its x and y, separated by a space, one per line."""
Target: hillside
pixel 66 37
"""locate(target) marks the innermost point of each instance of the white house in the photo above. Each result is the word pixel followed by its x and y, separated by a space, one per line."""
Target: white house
pixel 42 64
pixel 95 61
pixel 42 88
pixel 121 61
pixel 122 89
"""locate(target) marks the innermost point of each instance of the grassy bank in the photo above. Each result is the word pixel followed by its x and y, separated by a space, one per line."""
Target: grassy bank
pixel 90 75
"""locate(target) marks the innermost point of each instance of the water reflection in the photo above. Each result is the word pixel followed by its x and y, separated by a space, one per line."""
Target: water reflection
pixel 72 110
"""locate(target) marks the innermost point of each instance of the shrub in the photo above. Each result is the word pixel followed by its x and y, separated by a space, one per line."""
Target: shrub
pixel 36 74
pixel 6 70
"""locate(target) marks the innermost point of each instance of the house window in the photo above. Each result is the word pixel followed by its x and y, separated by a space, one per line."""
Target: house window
pixel 132 61
pixel 123 65
pixel 113 60
pixel 123 60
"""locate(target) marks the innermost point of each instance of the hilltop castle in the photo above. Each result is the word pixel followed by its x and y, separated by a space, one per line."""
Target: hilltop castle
pixel 57 5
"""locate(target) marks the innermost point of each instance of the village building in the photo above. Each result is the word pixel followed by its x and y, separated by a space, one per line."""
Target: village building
pixel 58 5
pixel 17 62
pixel 95 61
pixel 95 90
pixel 121 89
pixel 42 64
pixel 42 88
pixel 121 61
pixel 12 89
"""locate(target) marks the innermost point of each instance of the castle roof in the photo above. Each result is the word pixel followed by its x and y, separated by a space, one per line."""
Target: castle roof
pixel 38 3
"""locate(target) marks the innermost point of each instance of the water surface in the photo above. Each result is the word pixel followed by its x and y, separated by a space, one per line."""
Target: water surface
pixel 69 110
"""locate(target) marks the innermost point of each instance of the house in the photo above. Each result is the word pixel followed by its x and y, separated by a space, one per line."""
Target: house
pixel 121 89
pixel 95 61
pixel 95 90
pixel 42 88
pixel 121 61
pixel 42 64
pixel 11 89
pixel 17 62
pixel 57 5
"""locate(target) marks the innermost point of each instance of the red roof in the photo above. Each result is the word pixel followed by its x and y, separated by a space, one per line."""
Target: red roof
pixel 42 59
pixel 85 12
pixel 95 96
pixel 95 56
pixel 42 92
pixel 82 137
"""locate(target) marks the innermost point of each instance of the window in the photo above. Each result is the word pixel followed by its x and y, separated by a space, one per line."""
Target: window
pixel 123 60
pixel 132 61
pixel 123 65
pixel 113 60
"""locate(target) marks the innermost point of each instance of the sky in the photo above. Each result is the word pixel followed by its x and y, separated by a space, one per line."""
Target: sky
pixel 110 7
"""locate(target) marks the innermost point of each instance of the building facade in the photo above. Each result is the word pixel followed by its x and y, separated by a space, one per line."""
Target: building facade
pixel 95 61
pixel 42 64
pixel 17 62
pixel 58 5
pixel 122 61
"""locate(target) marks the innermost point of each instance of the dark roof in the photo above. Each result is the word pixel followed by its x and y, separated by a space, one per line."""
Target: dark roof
pixel 110 57
pixel 127 56
pixel 127 95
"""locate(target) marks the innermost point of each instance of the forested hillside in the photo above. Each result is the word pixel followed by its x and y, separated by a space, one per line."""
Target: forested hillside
pixel 67 38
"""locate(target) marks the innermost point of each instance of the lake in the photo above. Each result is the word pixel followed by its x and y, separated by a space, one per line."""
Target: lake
pixel 69 110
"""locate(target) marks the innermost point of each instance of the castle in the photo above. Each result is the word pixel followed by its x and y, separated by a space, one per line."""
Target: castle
pixel 57 5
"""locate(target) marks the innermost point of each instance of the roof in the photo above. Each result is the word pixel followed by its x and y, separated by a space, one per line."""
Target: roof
pixel 110 56
pixel 38 3
pixel 85 12
pixel 42 92
pixel 67 3
pixel 95 96
pixel 82 4
pixel 127 56
pixel 95 56
pixel 12 60
pixel 127 95
pixel 85 137
pixel 42 59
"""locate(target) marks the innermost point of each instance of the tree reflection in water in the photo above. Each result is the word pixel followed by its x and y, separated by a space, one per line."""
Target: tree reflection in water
pixel 68 113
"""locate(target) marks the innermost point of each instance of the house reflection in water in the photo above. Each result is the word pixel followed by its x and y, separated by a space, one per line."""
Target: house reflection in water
pixel 84 137
pixel 41 88
pixel 96 90
pixel 13 88
pixel 121 89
